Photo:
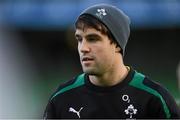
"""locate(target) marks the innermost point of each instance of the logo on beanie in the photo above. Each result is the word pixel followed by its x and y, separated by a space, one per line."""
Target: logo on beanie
pixel 101 12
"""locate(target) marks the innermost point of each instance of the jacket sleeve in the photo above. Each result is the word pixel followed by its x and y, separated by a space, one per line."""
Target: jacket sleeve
pixel 163 104
pixel 169 105
pixel 49 112
pixel 173 107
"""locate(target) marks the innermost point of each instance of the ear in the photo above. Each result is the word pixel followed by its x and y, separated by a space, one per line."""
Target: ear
pixel 117 49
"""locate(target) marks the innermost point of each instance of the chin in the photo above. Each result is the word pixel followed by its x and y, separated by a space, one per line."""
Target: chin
pixel 89 71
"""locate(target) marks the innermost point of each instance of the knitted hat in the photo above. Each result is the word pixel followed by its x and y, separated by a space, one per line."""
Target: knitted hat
pixel 114 19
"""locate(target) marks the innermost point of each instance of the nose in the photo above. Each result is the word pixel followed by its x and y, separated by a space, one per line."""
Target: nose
pixel 83 46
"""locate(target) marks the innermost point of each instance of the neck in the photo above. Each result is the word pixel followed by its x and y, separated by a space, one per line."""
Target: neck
pixel 110 78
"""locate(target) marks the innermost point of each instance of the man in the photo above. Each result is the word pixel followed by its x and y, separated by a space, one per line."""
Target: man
pixel 108 88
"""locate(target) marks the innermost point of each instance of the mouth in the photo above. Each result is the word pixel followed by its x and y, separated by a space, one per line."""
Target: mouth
pixel 87 59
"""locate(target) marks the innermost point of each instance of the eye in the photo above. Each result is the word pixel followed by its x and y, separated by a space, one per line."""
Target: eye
pixel 91 39
pixel 79 39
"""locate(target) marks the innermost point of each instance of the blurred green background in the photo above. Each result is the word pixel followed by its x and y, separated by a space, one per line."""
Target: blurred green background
pixel 38 50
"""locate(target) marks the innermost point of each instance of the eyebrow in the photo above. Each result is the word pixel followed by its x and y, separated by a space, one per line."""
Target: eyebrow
pixel 93 35
pixel 89 35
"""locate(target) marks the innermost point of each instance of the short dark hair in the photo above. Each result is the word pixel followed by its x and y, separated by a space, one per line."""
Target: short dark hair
pixel 84 21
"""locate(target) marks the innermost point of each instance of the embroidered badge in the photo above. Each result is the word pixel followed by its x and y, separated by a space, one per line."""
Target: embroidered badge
pixel 101 13
pixel 130 110
pixel 74 111
pixel 125 98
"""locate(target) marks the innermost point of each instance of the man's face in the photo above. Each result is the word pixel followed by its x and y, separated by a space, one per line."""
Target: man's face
pixel 96 52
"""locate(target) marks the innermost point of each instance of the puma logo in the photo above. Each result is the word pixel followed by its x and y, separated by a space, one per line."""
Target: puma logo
pixel 74 111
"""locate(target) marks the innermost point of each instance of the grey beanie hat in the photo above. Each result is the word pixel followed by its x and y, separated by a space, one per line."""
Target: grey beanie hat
pixel 114 19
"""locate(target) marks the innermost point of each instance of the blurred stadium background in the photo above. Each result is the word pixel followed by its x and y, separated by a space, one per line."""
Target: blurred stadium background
pixel 38 50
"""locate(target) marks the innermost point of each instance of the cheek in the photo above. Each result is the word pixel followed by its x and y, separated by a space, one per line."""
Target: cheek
pixel 105 61
pixel 105 55
pixel 108 57
pixel 107 50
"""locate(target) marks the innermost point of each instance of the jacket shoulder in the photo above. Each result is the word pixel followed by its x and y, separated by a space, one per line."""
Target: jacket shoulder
pixel 68 85
pixel 167 101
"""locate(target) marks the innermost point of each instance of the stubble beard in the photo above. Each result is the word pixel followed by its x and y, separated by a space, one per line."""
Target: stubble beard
pixel 89 71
